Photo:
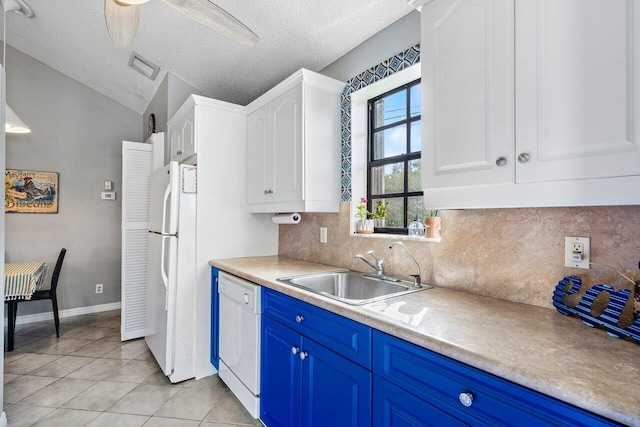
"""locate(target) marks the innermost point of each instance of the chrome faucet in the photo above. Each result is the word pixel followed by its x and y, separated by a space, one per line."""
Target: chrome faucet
pixel 379 266
pixel 416 277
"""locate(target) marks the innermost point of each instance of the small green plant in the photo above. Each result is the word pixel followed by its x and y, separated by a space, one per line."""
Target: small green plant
pixel 380 211
pixel 362 209
pixel 433 213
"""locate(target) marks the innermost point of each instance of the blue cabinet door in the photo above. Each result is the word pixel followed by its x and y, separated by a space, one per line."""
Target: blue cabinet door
pixel 394 407
pixel 215 317
pixel 280 400
pixel 335 391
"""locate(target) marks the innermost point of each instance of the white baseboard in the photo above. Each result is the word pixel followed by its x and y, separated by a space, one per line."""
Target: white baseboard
pixel 38 317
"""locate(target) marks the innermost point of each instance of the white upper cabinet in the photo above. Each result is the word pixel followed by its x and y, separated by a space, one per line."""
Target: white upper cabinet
pixel 182 136
pixel 467 89
pixel 293 146
pixel 530 102
pixel 577 86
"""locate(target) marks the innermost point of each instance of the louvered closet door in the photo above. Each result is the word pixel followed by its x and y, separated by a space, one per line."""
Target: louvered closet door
pixel 137 160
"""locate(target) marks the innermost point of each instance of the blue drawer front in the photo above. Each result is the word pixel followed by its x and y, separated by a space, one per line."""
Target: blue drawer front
pixel 394 407
pixel 440 380
pixel 346 337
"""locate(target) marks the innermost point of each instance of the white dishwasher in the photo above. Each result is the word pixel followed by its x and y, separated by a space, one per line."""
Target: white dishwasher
pixel 240 308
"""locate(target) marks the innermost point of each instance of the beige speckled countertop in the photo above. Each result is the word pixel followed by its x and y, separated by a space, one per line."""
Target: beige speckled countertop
pixel 532 346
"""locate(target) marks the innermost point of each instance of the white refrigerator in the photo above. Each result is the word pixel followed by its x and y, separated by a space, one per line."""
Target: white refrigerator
pixel 170 317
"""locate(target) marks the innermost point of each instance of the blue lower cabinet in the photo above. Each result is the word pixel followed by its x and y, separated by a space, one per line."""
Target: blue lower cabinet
pixel 394 407
pixel 215 315
pixel 335 391
pixel 280 372
pixel 305 384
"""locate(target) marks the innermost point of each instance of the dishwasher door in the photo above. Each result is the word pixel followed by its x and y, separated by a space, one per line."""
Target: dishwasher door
pixel 240 332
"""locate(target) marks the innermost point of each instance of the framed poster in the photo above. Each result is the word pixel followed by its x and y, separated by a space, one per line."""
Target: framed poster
pixel 30 191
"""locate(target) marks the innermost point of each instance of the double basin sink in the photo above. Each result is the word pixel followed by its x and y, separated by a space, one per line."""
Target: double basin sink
pixel 352 287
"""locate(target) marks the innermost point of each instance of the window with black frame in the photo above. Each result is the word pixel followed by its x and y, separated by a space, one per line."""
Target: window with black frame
pixel 393 167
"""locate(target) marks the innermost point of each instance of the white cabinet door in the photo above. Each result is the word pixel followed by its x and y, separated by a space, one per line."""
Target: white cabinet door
pixel 183 138
pixel 577 89
pixel 286 122
pixel 467 93
pixel 175 138
pixel 259 156
pixel 137 165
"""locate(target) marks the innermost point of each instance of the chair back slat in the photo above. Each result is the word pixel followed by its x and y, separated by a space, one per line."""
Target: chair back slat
pixel 56 271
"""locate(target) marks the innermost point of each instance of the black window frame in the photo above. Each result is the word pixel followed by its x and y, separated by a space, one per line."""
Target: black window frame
pixel 404 158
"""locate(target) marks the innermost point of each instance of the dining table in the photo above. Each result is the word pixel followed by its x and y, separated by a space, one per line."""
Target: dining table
pixel 21 280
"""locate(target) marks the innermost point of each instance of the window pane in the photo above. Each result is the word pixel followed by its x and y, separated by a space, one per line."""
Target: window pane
pixel 416 136
pixel 390 142
pixel 387 179
pixel 390 109
pixel 415 100
pixel 415 183
pixel 415 207
pixel 395 212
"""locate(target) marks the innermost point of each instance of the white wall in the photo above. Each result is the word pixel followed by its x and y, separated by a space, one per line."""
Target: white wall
pixel 78 133
pixel 400 35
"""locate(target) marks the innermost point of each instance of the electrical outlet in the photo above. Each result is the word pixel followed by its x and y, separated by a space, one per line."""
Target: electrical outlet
pixel 99 288
pixel 323 234
pixel 577 252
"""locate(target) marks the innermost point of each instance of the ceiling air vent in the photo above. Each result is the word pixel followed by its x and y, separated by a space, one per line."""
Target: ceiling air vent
pixel 143 66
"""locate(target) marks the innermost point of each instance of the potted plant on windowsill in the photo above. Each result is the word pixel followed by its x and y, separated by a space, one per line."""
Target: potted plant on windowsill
pixel 433 223
pixel 380 213
pixel 364 225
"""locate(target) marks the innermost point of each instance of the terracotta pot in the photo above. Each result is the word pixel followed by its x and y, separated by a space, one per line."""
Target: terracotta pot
pixel 433 224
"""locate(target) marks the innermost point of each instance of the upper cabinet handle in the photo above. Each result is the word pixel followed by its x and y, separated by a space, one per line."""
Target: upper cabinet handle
pixel 501 161
pixel 524 157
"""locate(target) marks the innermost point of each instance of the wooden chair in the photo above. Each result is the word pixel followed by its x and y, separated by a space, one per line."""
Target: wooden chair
pixel 39 295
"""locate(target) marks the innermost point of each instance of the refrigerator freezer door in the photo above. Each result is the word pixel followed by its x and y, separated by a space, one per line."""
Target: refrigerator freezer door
pixel 164 199
pixel 161 285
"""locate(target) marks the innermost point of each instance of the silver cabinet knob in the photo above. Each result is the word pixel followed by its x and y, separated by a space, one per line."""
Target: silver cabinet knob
pixel 299 318
pixel 295 350
pixel 268 191
pixel 466 399
pixel 501 161
pixel 304 355
pixel 246 298
pixel 524 157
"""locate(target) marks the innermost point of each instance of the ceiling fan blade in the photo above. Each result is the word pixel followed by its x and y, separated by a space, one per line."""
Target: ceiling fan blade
pixel 216 18
pixel 122 22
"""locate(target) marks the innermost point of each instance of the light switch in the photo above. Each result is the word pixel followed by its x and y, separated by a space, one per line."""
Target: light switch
pixel 108 185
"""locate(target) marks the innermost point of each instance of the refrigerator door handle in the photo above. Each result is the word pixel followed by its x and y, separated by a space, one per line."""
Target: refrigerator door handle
pixel 163 272
pixel 165 226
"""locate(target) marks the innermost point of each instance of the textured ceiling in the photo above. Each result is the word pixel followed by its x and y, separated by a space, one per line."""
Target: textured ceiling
pixel 71 37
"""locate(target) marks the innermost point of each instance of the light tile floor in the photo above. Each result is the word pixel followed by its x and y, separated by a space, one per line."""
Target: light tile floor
pixel 87 377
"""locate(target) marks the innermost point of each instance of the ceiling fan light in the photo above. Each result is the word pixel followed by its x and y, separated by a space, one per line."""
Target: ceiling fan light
pixel 122 22
pixel 131 2
pixel 216 18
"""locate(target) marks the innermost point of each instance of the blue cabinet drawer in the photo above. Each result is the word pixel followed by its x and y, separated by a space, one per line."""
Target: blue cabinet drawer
pixel 346 337
pixel 440 381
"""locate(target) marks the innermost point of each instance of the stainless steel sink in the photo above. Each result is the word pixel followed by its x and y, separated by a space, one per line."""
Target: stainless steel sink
pixel 352 287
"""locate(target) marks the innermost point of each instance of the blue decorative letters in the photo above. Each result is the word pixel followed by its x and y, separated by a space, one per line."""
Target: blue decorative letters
pixel 611 315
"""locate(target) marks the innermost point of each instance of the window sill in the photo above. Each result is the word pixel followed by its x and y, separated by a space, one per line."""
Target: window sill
pixel 397 237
